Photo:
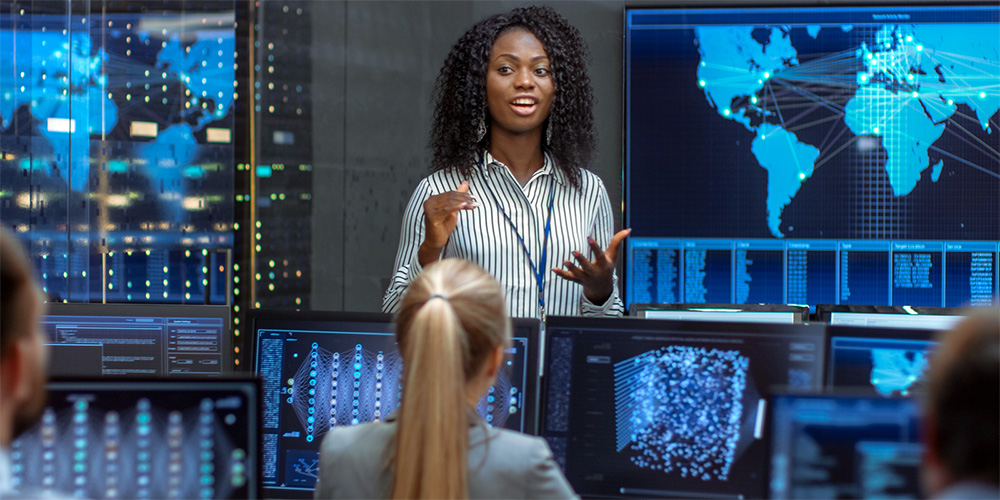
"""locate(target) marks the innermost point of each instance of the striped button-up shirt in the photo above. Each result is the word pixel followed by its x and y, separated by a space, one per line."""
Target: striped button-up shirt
pixel 484 236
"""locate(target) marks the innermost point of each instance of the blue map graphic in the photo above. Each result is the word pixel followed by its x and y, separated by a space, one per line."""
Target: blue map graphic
pixel 66 79
pixel 894 371
pixel 117 138
pixel 912 80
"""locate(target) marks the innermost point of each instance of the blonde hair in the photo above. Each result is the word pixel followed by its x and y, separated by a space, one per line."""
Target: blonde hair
pixel 452 317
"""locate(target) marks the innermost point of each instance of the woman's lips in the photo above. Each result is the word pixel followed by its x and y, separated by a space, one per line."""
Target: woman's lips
pixel 524 110
pixel 524 106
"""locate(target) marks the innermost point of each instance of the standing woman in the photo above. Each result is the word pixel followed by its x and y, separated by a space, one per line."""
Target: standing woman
pixel 513 134
pixel 452 331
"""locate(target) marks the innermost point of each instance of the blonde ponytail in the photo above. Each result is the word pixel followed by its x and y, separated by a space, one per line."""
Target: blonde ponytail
pixel 452 317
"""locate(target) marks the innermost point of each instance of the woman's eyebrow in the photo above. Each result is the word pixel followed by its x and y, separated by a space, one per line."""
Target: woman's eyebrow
pixel 518 59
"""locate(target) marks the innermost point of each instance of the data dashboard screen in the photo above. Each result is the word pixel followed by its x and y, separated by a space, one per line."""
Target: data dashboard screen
pixel 845 447
pixel 116 438
pixel 656 409
pixel 137 339
pixel 806 155
pixel 321 370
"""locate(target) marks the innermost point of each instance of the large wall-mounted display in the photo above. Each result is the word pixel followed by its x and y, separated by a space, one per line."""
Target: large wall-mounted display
pixel 117 139
pixel 840 155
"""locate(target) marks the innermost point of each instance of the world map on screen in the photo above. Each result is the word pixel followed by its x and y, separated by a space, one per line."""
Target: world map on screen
pixel 896 371
pixel 75 79
pixel 900 89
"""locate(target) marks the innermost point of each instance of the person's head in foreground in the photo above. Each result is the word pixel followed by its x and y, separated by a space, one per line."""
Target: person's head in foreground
pixel 962 414
pixel 452 330
pixel 23 355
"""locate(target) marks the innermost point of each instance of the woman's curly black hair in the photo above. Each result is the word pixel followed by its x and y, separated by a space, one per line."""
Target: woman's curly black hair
pixel 460 92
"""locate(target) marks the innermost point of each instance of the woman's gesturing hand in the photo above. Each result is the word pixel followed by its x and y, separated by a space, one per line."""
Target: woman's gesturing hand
pixel 597 277
pixel 440 219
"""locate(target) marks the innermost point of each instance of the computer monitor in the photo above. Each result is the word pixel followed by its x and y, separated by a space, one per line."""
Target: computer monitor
pixel 324 369
pixel 743 313
pixel 152 438
pixel 798 152
pixel 884 361
pixel 138 339
pixel 931 318
pixel 836 446
pixel 638 408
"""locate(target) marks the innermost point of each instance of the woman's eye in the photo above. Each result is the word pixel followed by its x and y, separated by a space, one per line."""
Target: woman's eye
pixel 504 70
pixel 542 71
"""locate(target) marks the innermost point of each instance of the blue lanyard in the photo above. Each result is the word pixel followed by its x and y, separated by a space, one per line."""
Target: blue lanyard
pixel 539 270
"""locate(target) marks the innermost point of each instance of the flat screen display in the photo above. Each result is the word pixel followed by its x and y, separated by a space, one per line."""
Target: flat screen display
pixel 638 408
pixel 139 340
pixel 117 438
pixel 321 370
pixel 118 164
pixel 807 154
pixel 879 361
pixel 844 447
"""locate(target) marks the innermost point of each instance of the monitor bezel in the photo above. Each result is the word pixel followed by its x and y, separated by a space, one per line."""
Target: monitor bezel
pixel 136 309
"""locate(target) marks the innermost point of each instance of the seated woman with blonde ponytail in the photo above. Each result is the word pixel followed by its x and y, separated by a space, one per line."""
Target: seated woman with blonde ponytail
pixel 452 330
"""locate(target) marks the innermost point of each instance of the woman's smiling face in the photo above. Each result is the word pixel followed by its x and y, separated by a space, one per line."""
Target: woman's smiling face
pixel 519 83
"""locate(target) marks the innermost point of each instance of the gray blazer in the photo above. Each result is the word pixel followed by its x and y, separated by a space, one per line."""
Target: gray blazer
pixel 502 464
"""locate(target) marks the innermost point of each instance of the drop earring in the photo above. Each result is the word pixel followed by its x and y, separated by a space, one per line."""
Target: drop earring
pixel 481 130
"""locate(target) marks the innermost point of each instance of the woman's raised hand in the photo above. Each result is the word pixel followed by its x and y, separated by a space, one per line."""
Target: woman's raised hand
pixel 597 277
pixel 440 219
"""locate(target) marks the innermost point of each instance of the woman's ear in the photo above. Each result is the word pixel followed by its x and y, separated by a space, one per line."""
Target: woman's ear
pixel 12 370
pixel 496 361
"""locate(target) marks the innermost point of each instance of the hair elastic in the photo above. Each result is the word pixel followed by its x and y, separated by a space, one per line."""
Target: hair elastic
pixel 438 296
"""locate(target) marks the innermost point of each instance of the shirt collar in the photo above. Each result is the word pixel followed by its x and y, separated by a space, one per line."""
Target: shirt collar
pixel 548 168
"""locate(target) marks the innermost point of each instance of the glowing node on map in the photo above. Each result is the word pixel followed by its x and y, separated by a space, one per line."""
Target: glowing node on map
pixel 753 99
pixel 701 83
pixel 862 78
pixel 920 48
pixel 915 95
pixel 767 75
pixel 982 95
pixel 726 112
pixel 875 130
pixel 802 176
pixel 951 102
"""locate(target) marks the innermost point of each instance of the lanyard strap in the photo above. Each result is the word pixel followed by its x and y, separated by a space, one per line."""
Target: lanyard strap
pixel 539 270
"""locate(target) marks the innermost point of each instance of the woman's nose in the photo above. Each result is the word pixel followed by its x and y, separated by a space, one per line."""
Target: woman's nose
pixel 524 80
